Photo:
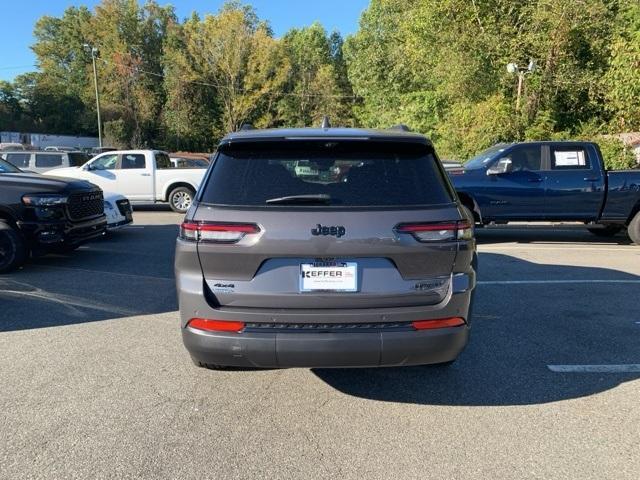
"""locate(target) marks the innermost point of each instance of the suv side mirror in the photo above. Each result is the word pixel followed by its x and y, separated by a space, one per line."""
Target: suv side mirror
pixel 87 167
pixel 504 165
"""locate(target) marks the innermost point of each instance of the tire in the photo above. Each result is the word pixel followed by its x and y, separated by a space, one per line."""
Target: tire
pixel 180 199
pixel 605 230
pixel 13 251
pixel 633 229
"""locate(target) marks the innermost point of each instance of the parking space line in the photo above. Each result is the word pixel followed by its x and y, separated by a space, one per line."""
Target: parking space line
pixel 624 368
pixel 543 282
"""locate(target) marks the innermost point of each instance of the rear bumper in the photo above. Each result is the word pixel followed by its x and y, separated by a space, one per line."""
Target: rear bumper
pixel 317 337
pixel 276 345
pixel 302 349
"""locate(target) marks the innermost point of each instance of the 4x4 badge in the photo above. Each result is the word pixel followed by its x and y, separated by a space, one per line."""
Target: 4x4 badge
pixel 337 231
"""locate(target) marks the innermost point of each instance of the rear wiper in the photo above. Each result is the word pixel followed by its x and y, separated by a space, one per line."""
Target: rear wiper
pixel 320 198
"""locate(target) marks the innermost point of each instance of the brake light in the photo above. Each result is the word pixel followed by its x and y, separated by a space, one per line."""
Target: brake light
pixel 216 232
pixel 210 325
pixel 438 231
pixel 438 323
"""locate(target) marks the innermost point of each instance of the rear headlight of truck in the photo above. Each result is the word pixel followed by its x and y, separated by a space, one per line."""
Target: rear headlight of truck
pixel 216 232
pixel 437 231
pixel 43 200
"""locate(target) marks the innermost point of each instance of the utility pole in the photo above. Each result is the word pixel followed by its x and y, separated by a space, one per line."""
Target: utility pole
pixel 521 71
pixel 94 53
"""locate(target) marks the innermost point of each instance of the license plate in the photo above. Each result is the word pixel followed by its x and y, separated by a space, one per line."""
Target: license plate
pixel 329 277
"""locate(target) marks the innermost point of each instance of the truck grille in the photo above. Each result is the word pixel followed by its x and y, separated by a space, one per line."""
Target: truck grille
pixel 85 205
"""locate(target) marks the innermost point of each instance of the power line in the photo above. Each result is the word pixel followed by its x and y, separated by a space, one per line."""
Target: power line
pixel 205 84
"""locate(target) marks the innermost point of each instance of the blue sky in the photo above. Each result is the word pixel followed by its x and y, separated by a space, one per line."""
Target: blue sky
pixel 19 16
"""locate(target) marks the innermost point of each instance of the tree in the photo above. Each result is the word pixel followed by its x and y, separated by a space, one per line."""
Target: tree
pixel 235 54
pixel 622 80
pixel 317 84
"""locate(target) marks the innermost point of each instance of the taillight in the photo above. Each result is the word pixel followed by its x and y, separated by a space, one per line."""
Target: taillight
pixel 216 232
pixel 438 231
pixel 438 323
pixel 211 325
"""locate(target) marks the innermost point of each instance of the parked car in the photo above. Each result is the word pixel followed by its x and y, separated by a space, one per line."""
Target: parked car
pixel 42 214
pixel 371 261
pixel 143 176
pixel 60 149
pixel 42 161
pixel 7 146
pixel 98 150
pixel 118 210
pixel 551 181
pixel 452 166
pixel 181 162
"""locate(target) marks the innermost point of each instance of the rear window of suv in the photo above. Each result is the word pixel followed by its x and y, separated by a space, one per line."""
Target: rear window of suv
pixel 343 174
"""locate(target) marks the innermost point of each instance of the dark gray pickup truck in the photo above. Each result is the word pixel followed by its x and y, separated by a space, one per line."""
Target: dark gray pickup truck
pixel 550 181
pixel 43 214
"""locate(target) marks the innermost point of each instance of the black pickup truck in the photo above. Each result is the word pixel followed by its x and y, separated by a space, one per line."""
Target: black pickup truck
pixel 550 181
pixel 40 214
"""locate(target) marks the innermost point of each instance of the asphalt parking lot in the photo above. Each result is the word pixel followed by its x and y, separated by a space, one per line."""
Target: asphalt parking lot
pixel 96 383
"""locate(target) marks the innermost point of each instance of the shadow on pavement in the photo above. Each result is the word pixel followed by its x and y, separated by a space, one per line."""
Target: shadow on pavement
pixel 127 273
pixel 517 331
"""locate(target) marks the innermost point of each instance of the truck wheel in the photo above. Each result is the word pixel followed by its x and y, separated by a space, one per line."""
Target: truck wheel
pixel 633 229
pixel 605 230
pixel 13 251
pixel 180 199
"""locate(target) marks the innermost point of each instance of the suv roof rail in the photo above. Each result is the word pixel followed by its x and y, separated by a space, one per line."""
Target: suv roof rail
pixel 325 122
pixel 246 126
pixel 401 126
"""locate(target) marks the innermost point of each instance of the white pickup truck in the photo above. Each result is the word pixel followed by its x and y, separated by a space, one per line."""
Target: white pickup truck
pixel 143 176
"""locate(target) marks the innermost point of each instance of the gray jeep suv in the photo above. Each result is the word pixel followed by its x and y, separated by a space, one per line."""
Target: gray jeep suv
pixel 325 248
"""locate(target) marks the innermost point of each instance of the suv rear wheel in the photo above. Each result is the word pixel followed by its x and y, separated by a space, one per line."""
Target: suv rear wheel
pixel 180 199
pixel 13 252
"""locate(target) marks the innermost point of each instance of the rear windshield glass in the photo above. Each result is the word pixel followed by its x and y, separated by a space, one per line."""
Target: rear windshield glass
pixel 162 161
pixel 337 174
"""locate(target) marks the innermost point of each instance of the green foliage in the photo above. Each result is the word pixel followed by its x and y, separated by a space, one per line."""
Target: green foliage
pixel 617 156
pixel 622 80
pixel 438 66
pixel 454 53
